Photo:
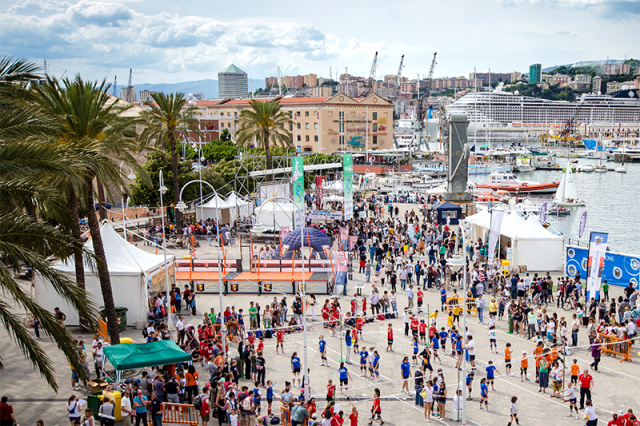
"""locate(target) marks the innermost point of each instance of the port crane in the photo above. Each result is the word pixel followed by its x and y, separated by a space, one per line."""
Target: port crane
pixel 369 88
pixel 420 130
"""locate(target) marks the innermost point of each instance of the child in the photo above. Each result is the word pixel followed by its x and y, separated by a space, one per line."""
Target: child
pixel 280 340
pixel 364 306
pixel 295 369
pixel 469 381
pixel 344 379
pixel 370 363
pixel 443 339
pixel 435 348
pixel 450 319
pixel 484 394
pixel 454 338
pixel 491 370
pixel 507 359
pixel 257 396
pixel 359 324
pixel 492 340
pixel 443 299
pixel 354 342
pixel 323 351
pixel 524 364
pixel 363 361
pixel 269 396
pixel 233 418
pixel 331 390
pixel 414 357
pixel 514 411
pixel 405 318
pixel 390 338
pixel 501 306
pixel 456 314
pixel 376 365
pixel 570 395
pixel 422 327
pixel 420 296
pixel 353 417
pixel 575 371
pixel 376 410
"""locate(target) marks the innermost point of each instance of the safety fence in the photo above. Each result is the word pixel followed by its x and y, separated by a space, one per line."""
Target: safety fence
pixel 612 346
pixel 185 414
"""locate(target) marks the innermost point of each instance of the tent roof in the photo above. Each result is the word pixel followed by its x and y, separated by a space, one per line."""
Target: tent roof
pixel 511 223
pixel 531 229
pixel 221 203
pixel 137 355
pixel 275 206
pixel 234 199
pixel 482 219
pixel 122 257
pixel 447 206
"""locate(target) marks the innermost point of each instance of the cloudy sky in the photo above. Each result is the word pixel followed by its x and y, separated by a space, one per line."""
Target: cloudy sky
pixel 168 41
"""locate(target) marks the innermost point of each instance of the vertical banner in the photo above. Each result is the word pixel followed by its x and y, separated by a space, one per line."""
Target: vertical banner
pixel 319 192
pixel 494 232
pixel 352 242
pixel 595 264
pixel 543 212
pixel 297 179
pixel 583 224
pixel 344 238
pixel 347 176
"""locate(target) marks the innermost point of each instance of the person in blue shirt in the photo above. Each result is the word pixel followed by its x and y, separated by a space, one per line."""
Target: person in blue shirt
pixel 459 351
pixel 469 381
pixel 295 369
pixel 484 394
pixel 454 338
pixel 443 298
pixel 443 339
pixel 414 357
pixel 344 379
pixel 376 365
pixel 269 396
pixel 348 341
pixel 323 351
pixel 364 354
pixel 140 403
pixel 491 370
pixel 257 397
pixel 405 368
pixel 435 347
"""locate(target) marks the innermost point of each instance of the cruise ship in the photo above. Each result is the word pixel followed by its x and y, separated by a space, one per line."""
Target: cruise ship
pixel 507 114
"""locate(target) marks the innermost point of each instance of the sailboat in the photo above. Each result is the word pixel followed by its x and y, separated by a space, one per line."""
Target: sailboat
pixel 600 168
pixel 621 168
pixel 567 193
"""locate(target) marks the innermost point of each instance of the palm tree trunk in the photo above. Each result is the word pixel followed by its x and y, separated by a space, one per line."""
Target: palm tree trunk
pixel 103 269
pixel 102 207
pixel 267 155
pixel 78 258
pixel 176 182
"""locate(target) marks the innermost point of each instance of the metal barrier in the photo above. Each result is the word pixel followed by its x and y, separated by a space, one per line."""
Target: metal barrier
pixel 185 414
pixel 458 301
pixel 613 346
pixel 284 416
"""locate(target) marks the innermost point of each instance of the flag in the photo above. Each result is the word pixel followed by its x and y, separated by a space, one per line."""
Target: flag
pixel 319 192
pixel 347 176
pixel 494 232
pixel 543 212
pixel 595 264
pixel 298 190
pixel 583 224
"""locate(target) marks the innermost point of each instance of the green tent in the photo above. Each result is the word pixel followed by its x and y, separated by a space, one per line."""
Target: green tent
pixel 127 356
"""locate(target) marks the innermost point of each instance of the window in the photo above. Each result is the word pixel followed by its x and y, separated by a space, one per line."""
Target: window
pixel 341 115
pixel 315 138
pixel 298 113
pixel 306 113
pixel 307 149
pixel 290 126
pixel 375 115
pixel 341 141
pixel 375 139
pixel 298 125
pixel 315 126
pixel 306 138
pixel 299 138
pixel 228 114
pixel 306 125
pixel 375 128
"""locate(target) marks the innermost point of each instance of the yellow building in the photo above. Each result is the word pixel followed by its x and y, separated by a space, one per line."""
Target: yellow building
pixel 320 124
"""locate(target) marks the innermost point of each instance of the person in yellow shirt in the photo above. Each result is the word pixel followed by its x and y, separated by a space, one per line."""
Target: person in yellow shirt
pixel 493 307
pixel 456 313
pixel 450 319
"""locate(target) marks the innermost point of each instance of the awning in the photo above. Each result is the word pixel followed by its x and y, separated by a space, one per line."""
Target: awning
pixel 138 355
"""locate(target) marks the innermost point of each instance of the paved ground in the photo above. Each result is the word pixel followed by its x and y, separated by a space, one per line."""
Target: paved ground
pixel 616 387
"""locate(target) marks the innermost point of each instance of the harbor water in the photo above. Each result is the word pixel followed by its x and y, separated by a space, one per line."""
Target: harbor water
pixel 613 204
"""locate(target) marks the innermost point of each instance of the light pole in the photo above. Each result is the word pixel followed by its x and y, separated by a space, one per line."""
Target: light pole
pixel 464 323
pixel 200 176
pixel 163 190
pixel 131 176
pixel 182 206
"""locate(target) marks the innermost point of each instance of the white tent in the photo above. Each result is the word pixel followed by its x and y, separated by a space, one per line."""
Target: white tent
pixel 276 213
pixel 216 207
pixel 537 248
pixel 480 224
pixel 133 273
pixel 240 206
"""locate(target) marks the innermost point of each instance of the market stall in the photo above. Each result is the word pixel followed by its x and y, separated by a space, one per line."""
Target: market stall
pixel 137 355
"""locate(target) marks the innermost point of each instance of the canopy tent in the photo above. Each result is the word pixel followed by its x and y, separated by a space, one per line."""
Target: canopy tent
pixel 138 355
pixel 239 206
pixel 216 208
pixel 276 213
pixel 449 211
pixel 336 185
pixel 133 272
pixel 480 223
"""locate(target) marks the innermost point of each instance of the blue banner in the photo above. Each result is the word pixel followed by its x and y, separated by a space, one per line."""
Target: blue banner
pixel 595 264
pixel 619 269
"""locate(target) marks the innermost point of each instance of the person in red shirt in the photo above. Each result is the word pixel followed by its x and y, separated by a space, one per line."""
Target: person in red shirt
pixel 331 390
pixel 7 417
pixel 280 339
pixel 337 419
pixel 414 325
pixel 353 417
pixel 390 338
pixel 354 305
pixel 423 331
pixel 359 324
pixel 260 345
pixel 420 296
pixel 586 384
pixel 376 410
pixel 203 349
pixel 208 352
pixel 251 339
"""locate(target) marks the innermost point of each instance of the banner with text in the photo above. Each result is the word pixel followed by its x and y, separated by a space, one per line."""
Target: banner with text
pixel 347 177
pixel 595 264
pixel 619 269
pixel 297 180
pixel 344 238
pixel 494 232
pixel 319 192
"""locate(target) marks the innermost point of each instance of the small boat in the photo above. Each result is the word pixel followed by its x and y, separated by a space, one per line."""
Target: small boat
pixel 559 211
pixel 508 182
pixel 587 168
pixel 600 169
pixel 621 169
pixel 567 193
pixel 523 164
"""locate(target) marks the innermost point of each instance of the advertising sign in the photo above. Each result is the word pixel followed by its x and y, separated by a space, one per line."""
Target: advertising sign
pixel 319 192
pixel 278 190
pixel 344 237
pixel 619 269
pixel 297 179
pixel 347 171
pixel 595 264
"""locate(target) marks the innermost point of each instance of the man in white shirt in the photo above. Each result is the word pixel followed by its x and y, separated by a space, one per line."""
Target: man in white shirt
pixel 125 408
pixel 410 297
pixel 181 330
pixel 471 350
pixel 98 358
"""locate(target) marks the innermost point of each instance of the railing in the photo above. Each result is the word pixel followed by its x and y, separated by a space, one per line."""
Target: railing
pixel 457 301
pixel 178 413
pixel 612 346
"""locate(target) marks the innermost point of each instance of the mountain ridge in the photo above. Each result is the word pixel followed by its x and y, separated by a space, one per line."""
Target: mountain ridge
pixel 207 86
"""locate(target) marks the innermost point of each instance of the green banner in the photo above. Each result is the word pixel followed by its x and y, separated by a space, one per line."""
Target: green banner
pixel 297 180
pixel 347 172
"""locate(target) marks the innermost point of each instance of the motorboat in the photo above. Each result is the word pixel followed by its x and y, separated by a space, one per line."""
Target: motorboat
pixel 524 164
pixel 621 168
pixel 509 182
pixel 567 193
pixel 559 211
pixel 585 168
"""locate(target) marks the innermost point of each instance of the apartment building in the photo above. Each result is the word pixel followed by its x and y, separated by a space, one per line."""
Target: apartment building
pixel 320 124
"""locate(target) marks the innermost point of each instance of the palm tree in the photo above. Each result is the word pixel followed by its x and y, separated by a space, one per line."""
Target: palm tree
pixel 263 124
pixel 166 121
pixel 90 127
pixel 27 167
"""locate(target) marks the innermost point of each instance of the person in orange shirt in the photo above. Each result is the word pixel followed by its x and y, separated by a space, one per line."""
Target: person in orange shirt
pixel 575 372
pixel 524 364
pixel 537 352
pixel 192 383
pixel 507 359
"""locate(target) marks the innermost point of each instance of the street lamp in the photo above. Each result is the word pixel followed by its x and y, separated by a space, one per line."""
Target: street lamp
pixel 182 207
pixel 131 177
pixel 163 190
pixel 464 321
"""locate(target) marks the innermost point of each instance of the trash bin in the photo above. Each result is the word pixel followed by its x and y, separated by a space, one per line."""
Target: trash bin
pixel 121 314
pixel 117 397
pixel 93 402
